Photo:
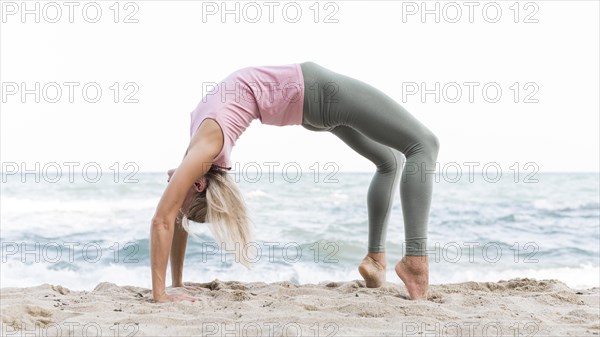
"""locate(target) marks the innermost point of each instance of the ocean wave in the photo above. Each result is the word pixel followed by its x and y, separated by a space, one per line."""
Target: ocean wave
pixel 565 205
pixel 25 205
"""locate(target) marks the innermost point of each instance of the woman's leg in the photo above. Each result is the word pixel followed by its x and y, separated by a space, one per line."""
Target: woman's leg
pixel 333 99
pixel 342 100
pixel 358 105
pixel 380 197
pixel 383 186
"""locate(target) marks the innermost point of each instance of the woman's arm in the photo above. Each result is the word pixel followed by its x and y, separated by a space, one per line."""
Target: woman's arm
pixel 178 247
pixel 204 147
pixel 177 257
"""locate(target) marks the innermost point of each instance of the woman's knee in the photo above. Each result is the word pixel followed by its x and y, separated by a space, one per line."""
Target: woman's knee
pixel 400 158
pixel 392 163
pixel 428 145
pixel 433 144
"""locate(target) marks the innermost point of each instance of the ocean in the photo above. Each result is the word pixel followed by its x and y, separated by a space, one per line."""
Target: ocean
pixel 78 233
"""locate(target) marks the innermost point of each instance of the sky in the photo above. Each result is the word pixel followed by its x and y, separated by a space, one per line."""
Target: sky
pixel 518 81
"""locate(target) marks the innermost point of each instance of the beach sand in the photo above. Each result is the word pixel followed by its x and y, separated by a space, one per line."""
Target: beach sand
pixel 517 307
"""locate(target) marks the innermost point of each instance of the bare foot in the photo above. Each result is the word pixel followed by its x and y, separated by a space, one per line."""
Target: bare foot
pixel 414 272
pixel 373 272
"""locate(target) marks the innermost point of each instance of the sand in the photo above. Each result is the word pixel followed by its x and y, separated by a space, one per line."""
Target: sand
pixel 517 307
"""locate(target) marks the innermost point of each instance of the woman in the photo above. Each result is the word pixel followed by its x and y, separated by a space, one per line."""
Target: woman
pixel 366 119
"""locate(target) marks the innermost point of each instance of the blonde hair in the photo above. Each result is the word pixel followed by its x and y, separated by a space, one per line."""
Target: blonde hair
pixel 222 206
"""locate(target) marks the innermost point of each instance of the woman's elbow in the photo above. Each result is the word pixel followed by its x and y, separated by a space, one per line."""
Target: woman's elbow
pixel 160 223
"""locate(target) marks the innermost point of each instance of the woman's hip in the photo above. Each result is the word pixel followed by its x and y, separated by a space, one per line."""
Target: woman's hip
pixel 322 95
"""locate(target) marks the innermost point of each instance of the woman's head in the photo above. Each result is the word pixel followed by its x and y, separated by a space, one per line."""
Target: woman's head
pixel 220 203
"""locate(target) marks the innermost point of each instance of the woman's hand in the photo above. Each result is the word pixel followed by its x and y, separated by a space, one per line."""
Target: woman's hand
pixel 174 298
pixel 186 287
pixel 195 288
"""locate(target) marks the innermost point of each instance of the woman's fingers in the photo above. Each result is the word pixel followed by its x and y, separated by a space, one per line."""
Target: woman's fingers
pixel 196 288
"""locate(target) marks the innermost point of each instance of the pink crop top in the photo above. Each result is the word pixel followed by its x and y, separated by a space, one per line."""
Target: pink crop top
pixel 273 94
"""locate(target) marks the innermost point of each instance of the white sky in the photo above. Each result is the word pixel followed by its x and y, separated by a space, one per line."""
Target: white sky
pixel 170 52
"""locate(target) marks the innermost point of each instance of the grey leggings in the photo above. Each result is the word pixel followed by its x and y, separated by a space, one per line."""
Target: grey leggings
pixel 381 130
